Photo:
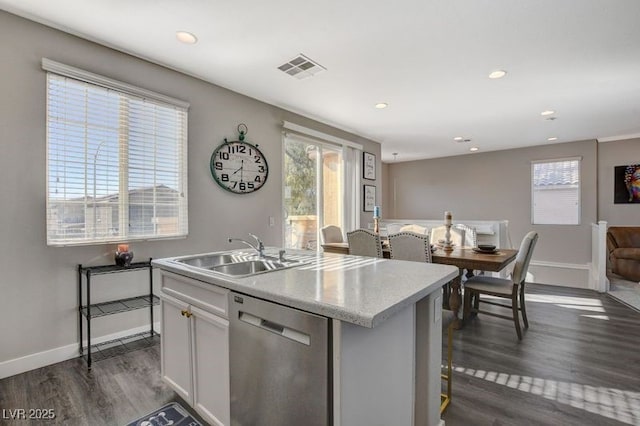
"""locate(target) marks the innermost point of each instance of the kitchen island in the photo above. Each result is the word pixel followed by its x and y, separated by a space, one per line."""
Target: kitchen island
pixel 380 358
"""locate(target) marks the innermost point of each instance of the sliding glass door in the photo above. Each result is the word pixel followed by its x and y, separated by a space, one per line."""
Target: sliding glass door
pixel 313 191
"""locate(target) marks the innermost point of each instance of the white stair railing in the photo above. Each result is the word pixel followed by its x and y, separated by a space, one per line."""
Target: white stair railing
pixel 598 269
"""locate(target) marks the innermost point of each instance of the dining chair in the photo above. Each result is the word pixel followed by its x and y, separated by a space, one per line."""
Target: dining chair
pixel 506 288
pixel 438 233
pixel 470 235
pixel 416 247
pixel 410 246
pixel 414 228
pixel 363 242
pixel 393 228
pixel 470 240
pixel 331 234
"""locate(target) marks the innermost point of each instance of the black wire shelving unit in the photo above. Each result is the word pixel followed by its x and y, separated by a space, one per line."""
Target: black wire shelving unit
pixel 88 311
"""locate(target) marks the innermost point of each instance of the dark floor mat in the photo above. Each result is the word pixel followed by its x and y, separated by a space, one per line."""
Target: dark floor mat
pixel 171 414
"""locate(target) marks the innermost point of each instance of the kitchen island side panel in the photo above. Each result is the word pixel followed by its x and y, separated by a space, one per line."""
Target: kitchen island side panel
pixel 375 368
pixel 428 359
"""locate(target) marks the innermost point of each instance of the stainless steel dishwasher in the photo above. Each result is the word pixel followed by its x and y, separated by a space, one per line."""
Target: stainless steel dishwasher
pixel 279 361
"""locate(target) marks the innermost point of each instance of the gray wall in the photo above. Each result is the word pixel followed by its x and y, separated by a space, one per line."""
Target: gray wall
pixel 496 185
pixel 611 154
pixel 38 286
pixel 387 196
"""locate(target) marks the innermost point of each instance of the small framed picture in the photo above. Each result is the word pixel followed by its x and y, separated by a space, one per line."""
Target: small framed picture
pixel 369 166
pixel 369 199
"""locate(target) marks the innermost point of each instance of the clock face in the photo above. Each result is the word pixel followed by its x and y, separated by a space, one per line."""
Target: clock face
pixel 239 167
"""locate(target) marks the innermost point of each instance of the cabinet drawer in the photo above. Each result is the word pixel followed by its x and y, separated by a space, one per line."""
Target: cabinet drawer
pixel 203 295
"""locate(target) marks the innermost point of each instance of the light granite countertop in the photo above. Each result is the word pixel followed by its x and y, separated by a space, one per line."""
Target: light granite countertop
pixel 359 290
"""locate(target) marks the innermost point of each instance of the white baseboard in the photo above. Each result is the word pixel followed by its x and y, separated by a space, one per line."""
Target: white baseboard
pixel 575 275
pixel 581 266
pixel 41 359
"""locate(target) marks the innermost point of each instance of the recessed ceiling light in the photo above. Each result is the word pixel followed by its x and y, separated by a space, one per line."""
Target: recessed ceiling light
pixel 547 112
pixel 474 149
pixel 382 105
pixel 497 74
pixel 458 138
pixel 552 139
pixel 186 37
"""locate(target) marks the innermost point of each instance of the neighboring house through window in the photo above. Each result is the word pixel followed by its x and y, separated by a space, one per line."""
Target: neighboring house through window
pixel 116 160
pixel 555 192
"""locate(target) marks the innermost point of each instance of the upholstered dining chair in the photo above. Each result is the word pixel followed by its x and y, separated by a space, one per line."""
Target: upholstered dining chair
pixel 363 242
pixel 457 235
pixel 393 228
pixel 415 228
pixel 512 288
pixel 410 246
pixel 416 247
pixel 470 235
pixel 470 240
pixel 331 234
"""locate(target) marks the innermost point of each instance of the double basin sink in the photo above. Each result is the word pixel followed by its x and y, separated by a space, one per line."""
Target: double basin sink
pixel 236 265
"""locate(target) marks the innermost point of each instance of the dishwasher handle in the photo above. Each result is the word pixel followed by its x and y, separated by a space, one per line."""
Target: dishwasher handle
pixel 273 327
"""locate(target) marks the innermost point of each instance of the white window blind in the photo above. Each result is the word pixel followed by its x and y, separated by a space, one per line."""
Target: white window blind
pixel 556 192
pixel 117 162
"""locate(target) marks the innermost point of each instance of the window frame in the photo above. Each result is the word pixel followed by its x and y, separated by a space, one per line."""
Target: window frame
pixel 126 93
pixel 351 153
pixel 578 189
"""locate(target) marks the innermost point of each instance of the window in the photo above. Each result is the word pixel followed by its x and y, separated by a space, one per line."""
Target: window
pixel 116 158
pixel 319 180
pixel 556 192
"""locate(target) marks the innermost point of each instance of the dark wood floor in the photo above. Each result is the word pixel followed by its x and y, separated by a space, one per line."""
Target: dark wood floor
pixel 578 364
pixel 573 367
pixel 117 391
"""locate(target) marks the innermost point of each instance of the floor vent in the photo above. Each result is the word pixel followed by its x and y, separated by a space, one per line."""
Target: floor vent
pixel 301 67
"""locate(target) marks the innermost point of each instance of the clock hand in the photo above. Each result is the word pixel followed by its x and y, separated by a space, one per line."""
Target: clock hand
pixel 240 169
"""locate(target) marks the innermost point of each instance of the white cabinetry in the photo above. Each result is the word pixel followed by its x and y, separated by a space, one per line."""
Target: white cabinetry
pixel 175 347
pixel 210 347
pixel 195 345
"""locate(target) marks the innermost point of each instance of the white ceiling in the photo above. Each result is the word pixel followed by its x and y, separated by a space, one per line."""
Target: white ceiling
pixel 428 59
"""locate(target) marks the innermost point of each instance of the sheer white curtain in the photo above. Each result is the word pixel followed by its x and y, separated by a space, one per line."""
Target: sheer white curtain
pixel 352 159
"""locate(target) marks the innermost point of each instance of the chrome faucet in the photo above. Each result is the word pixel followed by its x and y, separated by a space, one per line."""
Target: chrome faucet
pixel 259 247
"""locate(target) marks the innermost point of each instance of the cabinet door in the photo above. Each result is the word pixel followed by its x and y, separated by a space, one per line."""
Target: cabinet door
pixel 210 340
pixel 175 347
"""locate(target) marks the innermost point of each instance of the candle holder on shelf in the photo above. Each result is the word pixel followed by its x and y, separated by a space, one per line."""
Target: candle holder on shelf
pixel 123 256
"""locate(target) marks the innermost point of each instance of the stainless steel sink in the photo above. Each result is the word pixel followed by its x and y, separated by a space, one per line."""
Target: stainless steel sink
pixel 248 268
pixel 211 260
pixel 236 265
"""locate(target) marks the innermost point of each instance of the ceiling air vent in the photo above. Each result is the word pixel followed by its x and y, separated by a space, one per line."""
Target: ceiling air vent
pixel 301 67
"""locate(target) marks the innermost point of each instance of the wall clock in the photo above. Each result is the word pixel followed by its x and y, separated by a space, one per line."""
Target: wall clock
pixel 239 166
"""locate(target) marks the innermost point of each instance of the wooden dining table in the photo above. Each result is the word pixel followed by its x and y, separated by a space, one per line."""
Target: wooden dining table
pixel 464 258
